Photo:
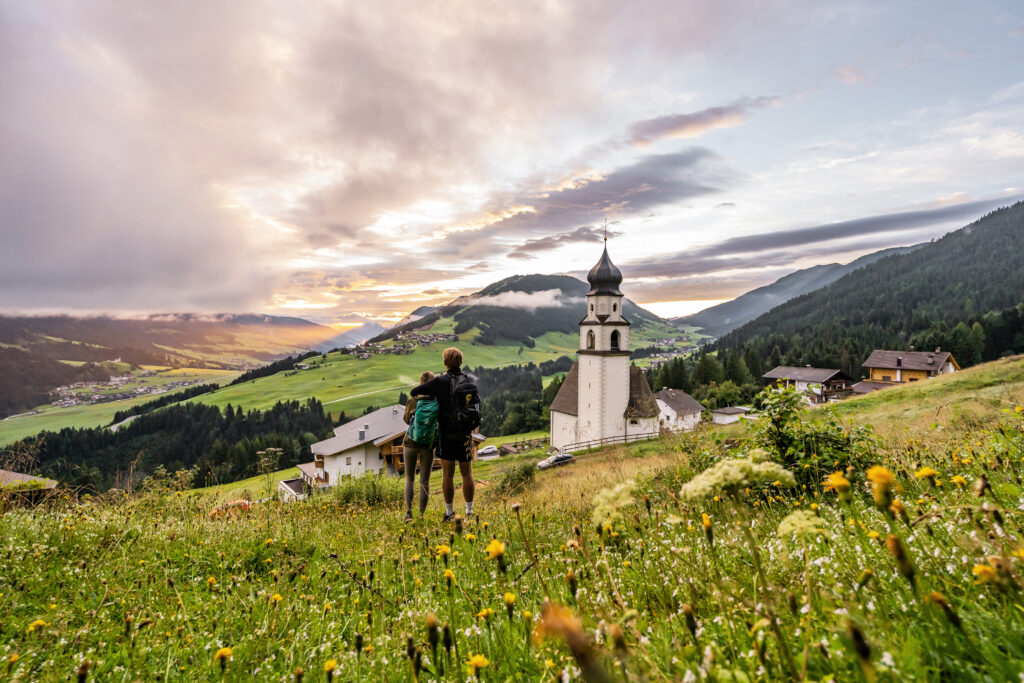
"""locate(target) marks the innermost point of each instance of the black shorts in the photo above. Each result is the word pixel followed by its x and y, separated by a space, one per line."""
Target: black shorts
pixel 459 449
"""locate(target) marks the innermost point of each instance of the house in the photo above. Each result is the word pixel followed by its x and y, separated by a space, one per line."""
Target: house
pixel 604 399
pixel 820 384
pixel 17 482
pixel 867 386
pixel 371 443
pixel 678 411
pixel 725 416
pixel 899 367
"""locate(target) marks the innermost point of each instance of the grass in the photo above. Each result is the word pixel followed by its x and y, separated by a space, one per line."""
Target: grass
pixel 608 567
pixel 253 488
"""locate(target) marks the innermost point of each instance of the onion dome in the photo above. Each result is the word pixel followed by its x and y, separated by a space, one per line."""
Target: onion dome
pixel 604 277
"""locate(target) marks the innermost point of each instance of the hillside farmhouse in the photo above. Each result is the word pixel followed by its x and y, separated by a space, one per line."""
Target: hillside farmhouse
pixel 729 415
pixel 819 384
pixel 16 481
pixel 898 367
pixel 603 399
pixel 371 443
pixel 678 411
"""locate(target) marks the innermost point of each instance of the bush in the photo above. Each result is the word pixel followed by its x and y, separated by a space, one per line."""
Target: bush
pixel 369 489
pixel 516 479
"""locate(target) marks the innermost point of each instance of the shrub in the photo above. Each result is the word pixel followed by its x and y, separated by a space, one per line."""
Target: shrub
pixel 516 479
pixel 369 489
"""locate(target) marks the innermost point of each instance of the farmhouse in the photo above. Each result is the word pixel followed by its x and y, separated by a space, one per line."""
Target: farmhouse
pixel 898 367
pixel 603 399
pixel 16 481
pixel 725 416
pixel 819 384
pixel 678 411
pixel 371 443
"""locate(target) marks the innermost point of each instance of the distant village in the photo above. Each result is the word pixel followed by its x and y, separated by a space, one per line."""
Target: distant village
pixel 89 393
pixel 404 344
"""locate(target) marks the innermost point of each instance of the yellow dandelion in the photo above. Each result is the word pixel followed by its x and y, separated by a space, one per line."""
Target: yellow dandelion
pixel 449 575
pixel 495 549
pixel 475 663
pixel 510 599
pixel 330 665
pixel 485 613
pixel 470 537
pixel 211 582
pixel 880 476
pixel 705 521
pixel 984 573
pixel 443 550
pixel 926 473
pixel 269 541
pixel 836 482
pixel 36 625
pixel 873 534
pixel 276 597
pixel 958 480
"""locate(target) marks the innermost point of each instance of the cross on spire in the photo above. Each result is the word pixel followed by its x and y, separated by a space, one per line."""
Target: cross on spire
pixel 606 230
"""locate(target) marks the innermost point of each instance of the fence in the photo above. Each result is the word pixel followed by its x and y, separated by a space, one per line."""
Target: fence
pixel 607 441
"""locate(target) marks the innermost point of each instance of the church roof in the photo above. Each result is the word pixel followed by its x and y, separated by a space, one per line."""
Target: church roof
pixel 679 401
pixel 641 399
pixel 604 277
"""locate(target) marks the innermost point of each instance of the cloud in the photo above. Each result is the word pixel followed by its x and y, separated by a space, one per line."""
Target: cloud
pixel 699 122
pixel 584 233
pixel 548 298
pixel 850 74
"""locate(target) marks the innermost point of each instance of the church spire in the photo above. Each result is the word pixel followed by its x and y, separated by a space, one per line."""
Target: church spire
pixel 605 277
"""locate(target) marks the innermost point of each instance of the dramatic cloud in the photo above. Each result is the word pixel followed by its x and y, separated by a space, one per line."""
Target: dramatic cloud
pixel 697 123
pixel 548 298
pixel 584 233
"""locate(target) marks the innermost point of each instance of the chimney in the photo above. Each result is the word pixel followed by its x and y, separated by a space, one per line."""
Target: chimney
pixel 899 361
pixel 938 349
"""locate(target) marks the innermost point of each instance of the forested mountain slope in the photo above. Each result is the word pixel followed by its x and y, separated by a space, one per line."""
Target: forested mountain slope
pixel 948 288
pixel 726 317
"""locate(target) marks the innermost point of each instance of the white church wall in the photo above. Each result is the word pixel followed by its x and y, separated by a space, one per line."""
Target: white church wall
pixel 563 429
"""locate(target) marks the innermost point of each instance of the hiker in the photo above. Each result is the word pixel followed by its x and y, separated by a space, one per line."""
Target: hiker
pixel 459 414
pixel 418 446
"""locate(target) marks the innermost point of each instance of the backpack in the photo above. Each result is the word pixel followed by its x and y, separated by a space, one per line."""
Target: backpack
pixel 423 427
pixel 465 413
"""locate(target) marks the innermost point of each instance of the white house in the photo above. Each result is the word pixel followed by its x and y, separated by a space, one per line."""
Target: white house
pixel 819 384
pixel 603 399
pixel 725 416
pixel 677 410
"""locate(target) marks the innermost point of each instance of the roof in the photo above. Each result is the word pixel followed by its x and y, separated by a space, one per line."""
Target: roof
pixel 911 360
pixel 294 486
pixel 731 410
pixel 604 277
pixel 867 387
pixel 641 401
pixel 309 469
pixel 679 401
pixel 7 478
pixel 805 374
pixel 566 400
pixel 379 423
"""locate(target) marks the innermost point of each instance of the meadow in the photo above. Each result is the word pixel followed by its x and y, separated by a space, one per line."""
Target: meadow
pixel 851 554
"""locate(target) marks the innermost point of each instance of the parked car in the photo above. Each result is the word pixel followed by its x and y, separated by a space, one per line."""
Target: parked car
pixel 556 460
pixel 488 450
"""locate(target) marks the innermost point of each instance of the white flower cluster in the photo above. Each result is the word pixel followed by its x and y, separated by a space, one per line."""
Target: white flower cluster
pixel 732 474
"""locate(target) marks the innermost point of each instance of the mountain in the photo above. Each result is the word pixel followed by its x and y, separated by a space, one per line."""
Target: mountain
pixel 726 317
pixel 419 313
pixel 946 289
pixel 521 308
pixel 353 337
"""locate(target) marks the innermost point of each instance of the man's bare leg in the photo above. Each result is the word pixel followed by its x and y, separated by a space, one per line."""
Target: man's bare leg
pixel 448 486
pixel 468 485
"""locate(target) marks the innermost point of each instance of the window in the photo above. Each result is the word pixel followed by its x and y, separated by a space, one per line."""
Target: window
pixel 590 339
pixel 615 340
pixel 886 378
pixel 615 307
pixel 913 379
pixel 348 460
pixel 633 422
pixel 591 308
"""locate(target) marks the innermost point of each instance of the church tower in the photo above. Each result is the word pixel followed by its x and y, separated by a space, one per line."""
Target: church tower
pixel 603 399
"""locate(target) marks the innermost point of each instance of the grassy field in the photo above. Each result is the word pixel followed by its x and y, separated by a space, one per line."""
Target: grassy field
pixel 684 558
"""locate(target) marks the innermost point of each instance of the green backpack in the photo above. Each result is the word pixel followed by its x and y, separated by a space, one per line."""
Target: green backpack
pixel 423 427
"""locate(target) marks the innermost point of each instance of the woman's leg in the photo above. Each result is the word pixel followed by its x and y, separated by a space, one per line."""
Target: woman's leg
pixel 426 463
pixel 409 456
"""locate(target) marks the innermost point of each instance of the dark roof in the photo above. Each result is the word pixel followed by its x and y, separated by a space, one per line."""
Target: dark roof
pixel 295 486
pixel 731 410
pixel 7 477
pixel 867 387
pixel 805 374
pixel 912 360
pixel 379 423
pixel 679 401
pixel 566 400
pixel 604 277
pixel 641 399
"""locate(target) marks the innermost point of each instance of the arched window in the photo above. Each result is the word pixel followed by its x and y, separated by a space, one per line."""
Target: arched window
pixel 615 307
pixel 591 308
pixel 615 340
pixel 590 339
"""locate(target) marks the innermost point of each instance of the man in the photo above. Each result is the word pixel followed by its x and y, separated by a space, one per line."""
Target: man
pixel 455 434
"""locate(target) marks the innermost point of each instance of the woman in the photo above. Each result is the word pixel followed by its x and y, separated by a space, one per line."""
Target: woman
pixel 418 447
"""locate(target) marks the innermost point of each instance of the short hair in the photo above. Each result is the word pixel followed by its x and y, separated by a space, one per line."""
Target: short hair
pixel 452 357
pixel 426 377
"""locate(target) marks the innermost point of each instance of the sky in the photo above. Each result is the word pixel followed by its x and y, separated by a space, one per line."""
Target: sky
pixel 350 161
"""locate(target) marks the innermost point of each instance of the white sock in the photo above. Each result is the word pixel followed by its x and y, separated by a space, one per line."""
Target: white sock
pixel 469 508
pixel 449 508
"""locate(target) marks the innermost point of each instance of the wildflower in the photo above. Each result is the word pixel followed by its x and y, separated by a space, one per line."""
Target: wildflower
pixel 223 656
pixel 731 475
pixel 475 663
pixel 486 613
pixel 838 483
pixel 269 541
pixel 802 523
pixel 510 601
pixel 496 551
pixel 864 578
pixel 899 553
pixel 471 537
pixel 443 550
pixel 940 601
pixel 984 573
pixel 873 534
pixel 433 634
pixel 706 522
pixel 958 480
pixel 609 502
pixel 36 625
pixel 882 481
pixel 211 582
pixel 330 666
pixel 570 580
pixel 449 577
pixel 276 597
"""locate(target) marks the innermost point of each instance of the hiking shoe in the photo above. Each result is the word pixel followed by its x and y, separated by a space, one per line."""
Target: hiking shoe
pixel 447 518
pixel 469 516
pixel 408 516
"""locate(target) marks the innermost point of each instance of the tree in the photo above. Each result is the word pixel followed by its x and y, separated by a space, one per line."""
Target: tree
pixel 708 369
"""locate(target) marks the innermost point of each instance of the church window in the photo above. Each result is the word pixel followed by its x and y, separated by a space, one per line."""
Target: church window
pixel 633 422
pixel 615 340
pixel 615 307
pixel 590 339
pixel 591 308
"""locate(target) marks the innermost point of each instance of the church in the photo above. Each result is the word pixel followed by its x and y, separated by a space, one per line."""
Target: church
pixel 604 399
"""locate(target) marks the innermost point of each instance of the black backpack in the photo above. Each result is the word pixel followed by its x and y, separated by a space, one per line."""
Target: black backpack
pixel 465 413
